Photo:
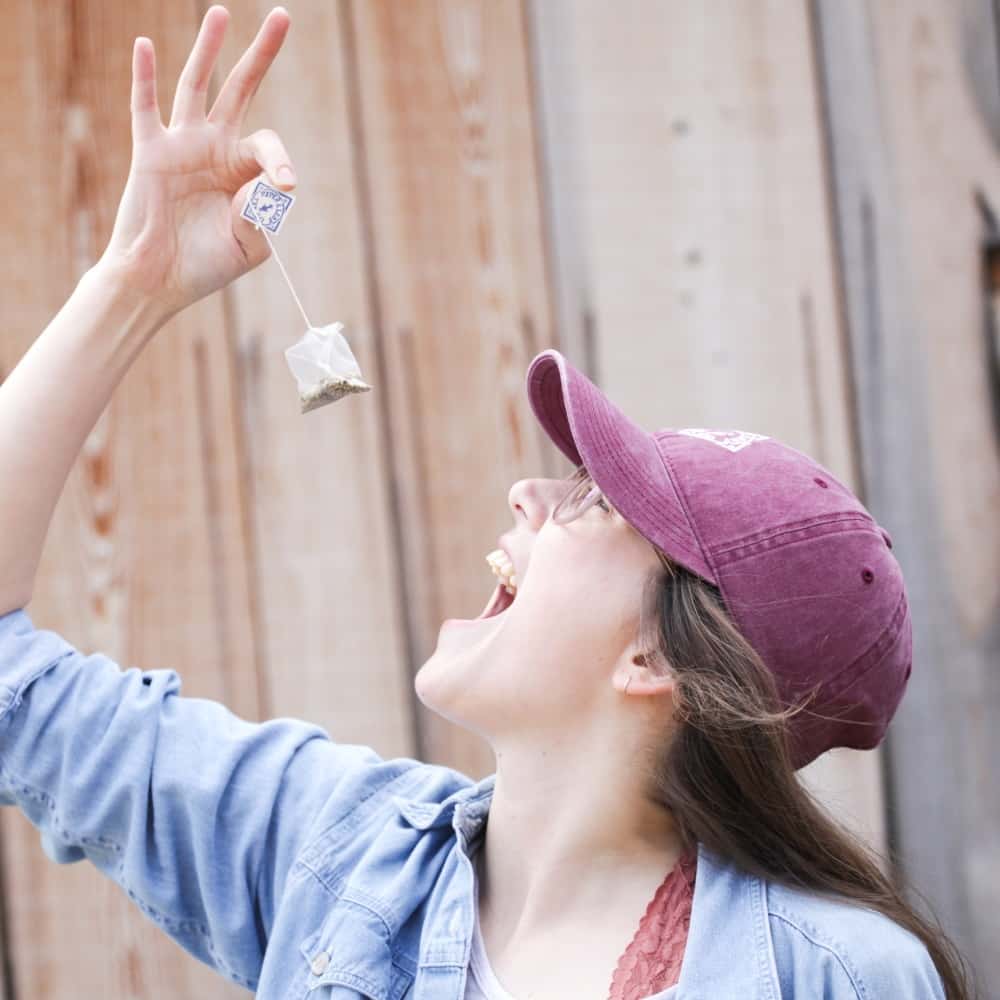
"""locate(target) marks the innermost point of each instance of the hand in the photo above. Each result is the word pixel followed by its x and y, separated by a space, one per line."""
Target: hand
pixel 178 235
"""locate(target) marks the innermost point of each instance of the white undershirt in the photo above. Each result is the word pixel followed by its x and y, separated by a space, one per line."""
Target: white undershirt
pixel 481 982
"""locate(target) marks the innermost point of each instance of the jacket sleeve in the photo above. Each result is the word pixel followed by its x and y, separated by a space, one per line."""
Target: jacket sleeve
pixel 196 813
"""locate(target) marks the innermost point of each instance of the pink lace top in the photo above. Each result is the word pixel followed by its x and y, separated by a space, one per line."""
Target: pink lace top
pixel 652 961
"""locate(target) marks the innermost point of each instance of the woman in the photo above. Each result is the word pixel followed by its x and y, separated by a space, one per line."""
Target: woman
pixel 705 612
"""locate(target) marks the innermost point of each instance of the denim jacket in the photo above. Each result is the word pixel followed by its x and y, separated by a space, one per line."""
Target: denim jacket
pixel 300 867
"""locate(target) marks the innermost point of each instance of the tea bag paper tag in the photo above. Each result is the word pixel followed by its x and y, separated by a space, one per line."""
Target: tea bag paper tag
pixel 267 206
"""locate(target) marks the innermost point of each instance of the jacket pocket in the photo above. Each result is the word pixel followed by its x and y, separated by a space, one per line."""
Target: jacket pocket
pixel 351 949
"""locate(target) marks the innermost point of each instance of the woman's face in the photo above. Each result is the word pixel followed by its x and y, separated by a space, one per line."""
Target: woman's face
pixel 551 655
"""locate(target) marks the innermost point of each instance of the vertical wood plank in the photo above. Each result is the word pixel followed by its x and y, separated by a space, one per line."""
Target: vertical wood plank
pixel 146 559
pixel 915 133
pixel 459 275
pixel 326 568
pixel 694 268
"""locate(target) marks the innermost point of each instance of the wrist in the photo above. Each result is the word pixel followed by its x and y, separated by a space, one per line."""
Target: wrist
pixel 139 309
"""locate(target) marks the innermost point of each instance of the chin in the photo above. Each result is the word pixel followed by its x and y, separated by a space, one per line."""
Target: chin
pixel 423 686
pixel 449 689
pixel 438 684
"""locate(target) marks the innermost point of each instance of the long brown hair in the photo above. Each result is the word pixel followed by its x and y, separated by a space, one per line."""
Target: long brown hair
pixel 726 773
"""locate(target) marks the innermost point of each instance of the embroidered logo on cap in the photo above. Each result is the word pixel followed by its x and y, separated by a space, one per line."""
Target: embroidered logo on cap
pixel 731 440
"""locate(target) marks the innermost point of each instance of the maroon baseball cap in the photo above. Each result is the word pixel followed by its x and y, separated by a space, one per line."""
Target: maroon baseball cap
pixel 804 570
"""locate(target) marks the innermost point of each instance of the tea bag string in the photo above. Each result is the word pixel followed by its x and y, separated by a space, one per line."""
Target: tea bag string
pixel 274 250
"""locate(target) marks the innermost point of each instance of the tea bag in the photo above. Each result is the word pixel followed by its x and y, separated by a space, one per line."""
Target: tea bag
pixel 324 367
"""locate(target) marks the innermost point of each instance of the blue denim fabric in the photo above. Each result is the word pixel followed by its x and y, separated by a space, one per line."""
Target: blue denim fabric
pixel 297 866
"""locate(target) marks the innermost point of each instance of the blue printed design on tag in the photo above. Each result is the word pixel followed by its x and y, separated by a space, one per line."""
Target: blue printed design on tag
pixel 267 206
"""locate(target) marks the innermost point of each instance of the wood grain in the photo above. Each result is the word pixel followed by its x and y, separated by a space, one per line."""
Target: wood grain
pixel 914 145
pixel 446 134
pixel 146 559
pixel 325 570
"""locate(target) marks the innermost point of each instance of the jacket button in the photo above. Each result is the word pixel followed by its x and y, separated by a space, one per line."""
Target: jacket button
pixel 319 963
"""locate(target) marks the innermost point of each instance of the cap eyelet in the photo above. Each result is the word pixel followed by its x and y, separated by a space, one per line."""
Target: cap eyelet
pixel 867 575
pixel 820 482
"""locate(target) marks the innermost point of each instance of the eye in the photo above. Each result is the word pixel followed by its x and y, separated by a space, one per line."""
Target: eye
pixel 603 503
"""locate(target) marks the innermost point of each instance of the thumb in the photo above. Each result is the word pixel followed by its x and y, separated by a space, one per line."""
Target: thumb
pixel 251 239
pixel 264 151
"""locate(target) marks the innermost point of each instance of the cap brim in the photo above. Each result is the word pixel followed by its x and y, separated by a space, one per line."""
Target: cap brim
pixel 621 457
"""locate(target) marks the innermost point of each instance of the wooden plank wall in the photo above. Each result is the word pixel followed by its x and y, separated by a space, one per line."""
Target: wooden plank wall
pixel 146 558
pixel 645 186
pixel 913 102
pixel 459 273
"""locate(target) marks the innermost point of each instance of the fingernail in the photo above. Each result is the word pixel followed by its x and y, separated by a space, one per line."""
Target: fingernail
pixel 286 175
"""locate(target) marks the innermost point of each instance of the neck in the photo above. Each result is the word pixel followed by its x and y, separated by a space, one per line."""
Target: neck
pixel 568 836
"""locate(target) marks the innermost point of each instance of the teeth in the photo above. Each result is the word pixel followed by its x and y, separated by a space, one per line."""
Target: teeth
pixel 503 569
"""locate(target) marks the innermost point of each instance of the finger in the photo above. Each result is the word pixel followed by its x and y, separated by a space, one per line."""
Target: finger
pixel 263 150
pixel 251 241
pixel 192 85
pixel 234 98
pixel 146 120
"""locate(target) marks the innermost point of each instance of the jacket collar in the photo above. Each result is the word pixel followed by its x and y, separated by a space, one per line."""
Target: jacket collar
pixel 729 950
pixel 465 809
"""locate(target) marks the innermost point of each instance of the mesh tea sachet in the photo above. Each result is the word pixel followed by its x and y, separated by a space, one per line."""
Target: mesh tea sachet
pixel 322 362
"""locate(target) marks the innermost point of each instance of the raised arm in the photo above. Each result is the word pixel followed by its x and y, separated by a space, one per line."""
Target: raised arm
pixel 177 237
pixel 197 814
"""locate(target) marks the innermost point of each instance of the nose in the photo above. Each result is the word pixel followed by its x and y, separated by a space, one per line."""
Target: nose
pixel 534 499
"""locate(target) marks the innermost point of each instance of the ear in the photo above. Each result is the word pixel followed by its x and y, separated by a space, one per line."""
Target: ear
pixel 641 678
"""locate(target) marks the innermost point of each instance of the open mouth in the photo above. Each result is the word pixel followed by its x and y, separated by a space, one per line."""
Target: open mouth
pixel 500 600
